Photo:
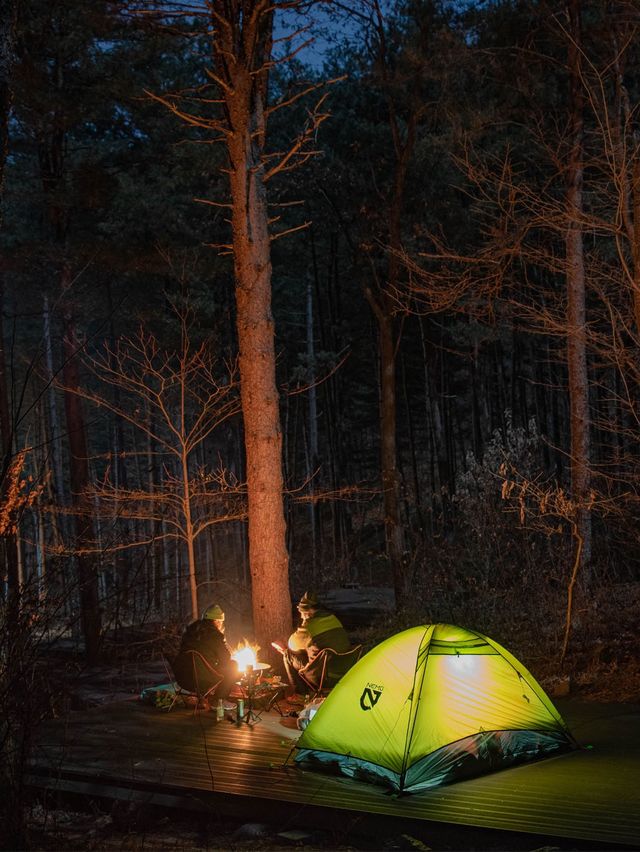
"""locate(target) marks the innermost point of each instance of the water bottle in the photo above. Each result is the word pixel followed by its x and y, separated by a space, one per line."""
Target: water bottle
pixel 220 710
pixel 240 710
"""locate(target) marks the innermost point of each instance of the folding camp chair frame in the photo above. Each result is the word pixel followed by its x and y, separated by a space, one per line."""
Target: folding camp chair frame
pixel 180 692
pixel 323 662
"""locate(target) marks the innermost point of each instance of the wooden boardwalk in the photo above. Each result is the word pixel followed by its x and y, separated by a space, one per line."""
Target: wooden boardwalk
pixel 134 752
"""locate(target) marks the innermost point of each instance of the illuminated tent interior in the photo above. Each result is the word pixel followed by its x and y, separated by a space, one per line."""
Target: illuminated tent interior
pixel 432 705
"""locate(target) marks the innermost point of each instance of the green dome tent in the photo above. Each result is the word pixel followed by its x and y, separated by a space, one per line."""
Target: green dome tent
pixel 432 705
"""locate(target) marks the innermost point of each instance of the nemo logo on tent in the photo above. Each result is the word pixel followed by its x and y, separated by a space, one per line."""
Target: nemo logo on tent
pixel 370 696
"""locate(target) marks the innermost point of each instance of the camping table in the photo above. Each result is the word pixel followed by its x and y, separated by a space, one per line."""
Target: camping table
pixel 254 689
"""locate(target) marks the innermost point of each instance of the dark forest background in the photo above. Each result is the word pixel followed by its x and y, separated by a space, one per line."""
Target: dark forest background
pixel 426 302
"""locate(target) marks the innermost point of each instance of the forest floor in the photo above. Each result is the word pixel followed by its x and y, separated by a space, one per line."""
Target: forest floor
pixel 603 657
pixel 603 666
pixel 128 830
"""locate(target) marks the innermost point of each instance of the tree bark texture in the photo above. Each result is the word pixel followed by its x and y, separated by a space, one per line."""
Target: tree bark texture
pixel 312 448
pixel 394 530
pixel 8 12
pixel 403 135
pixel 576 298
pixel 243 50
pixel 55 432
pixel 79 478
pixel 10 540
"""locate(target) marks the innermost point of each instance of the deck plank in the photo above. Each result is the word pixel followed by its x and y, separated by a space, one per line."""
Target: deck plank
pixel 591 794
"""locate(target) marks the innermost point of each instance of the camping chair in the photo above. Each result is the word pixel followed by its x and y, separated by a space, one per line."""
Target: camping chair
pixel 326 669
pixel 192 660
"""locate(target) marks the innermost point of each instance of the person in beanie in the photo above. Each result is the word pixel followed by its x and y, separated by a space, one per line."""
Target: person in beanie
pixel 206 636
pixel 318 629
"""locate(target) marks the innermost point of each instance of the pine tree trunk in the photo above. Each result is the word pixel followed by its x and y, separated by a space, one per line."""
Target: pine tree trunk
pixel 10 540
pixel 154 525
pixel 79 476
pixel 54 421
pixel 42 545
pixel 413 450
pixel 167 595
pixel 8 12
pixel 312 450
pixel 394 531
pixel 245 104
pixel 576 303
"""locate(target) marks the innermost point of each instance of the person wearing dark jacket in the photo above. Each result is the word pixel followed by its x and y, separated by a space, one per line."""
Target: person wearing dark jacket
pixel 318 629
pixel 206 637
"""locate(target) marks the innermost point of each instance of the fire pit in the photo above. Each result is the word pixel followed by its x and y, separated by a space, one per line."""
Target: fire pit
pixel 246 656
pixel 259 695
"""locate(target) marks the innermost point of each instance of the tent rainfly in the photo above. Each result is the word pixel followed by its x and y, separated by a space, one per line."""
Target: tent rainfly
pixel 432 705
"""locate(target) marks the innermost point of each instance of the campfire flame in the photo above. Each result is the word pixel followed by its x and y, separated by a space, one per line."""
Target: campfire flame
pixel 245 655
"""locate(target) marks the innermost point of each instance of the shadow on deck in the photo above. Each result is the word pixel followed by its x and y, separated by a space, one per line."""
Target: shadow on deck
pixel 132 752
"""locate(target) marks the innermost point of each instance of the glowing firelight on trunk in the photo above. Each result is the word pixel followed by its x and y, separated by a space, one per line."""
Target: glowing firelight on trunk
pixel 245 655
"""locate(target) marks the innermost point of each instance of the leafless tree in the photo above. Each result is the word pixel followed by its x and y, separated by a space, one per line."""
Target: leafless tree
pixel 532 233
pixel 178 399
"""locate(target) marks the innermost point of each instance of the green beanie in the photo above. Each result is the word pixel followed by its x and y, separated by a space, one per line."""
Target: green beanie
pixel 308 601
pixel 213 613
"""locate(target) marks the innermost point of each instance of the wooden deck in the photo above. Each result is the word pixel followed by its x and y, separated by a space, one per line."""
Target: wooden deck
pixel 131 751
